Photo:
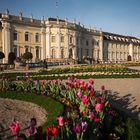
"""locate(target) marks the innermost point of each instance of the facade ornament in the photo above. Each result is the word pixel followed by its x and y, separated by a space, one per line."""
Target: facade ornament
pixel 57 20
pixel 46 20
pixel 66 20
pixel 74 21
pixel 31 17
pixel 42 20
pixel 79 23
pixel 7 12
pixel 20 15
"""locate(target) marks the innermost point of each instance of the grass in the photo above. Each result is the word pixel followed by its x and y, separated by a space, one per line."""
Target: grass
pixel 53 107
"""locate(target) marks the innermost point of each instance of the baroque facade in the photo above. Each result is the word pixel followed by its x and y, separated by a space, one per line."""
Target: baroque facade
pixel 59 40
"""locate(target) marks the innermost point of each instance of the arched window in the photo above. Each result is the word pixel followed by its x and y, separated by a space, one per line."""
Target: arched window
pixel 62 53
pixel 37 37
pixel 26 36
pixel 37 52
pixel 26 49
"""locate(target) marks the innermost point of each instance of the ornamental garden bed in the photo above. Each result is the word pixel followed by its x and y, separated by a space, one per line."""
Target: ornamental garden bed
pixel 87 114
pixel 79 71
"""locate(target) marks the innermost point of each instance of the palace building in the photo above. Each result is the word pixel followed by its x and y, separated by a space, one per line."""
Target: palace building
pixel 53 39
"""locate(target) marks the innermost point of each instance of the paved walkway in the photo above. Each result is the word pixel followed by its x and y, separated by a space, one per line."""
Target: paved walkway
pixel 125 94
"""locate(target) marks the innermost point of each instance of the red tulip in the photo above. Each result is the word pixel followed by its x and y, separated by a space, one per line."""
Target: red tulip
pixel 55 130
pixel 97 119
pixel 91 81
pixel 52 131
pixel 91 92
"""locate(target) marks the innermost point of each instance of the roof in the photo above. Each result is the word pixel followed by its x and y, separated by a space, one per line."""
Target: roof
pixel 121 38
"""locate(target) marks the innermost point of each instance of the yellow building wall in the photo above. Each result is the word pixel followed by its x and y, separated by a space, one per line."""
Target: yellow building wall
pixel 21 43
pixel 0 38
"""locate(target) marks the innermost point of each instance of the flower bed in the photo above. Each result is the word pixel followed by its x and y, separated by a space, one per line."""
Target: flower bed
pixel 87 113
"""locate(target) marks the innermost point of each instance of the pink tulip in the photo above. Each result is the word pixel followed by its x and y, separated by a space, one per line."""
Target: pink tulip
pixel 81 81
pixel 91 115
pixel 15 127
pixel 79 94
pixel 84 99
pixel 60 121
pixel 84 87
pixel 31 130
pixel 84 126
pixel 98 106
pixel 77 128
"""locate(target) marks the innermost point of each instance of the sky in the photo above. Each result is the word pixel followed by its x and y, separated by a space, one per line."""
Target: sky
pixel 114 16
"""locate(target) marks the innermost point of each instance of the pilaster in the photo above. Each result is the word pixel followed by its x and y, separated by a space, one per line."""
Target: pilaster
pixel 48 41
pixel 131 50
pixel 67 44
pixel 58 36
pixel 101 48
pixel 6 40
pixel 43 50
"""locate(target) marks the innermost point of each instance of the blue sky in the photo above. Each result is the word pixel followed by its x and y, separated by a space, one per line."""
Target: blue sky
pixel 116 16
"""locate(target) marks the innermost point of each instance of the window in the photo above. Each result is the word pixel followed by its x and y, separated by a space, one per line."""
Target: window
pixel 70 39
pixel 92 42
pixel 53 53
pixel 86 52
pixel 62 53
pixel 37 52
pixel 37 37
pixel 97 43
pixel 87 42
pixel 26 36
pixel 15 36
pixel 26 49
pixel 62 38
pixel 15 51
pixel 53 38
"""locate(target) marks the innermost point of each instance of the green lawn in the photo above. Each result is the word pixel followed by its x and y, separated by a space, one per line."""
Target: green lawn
pixel 53 108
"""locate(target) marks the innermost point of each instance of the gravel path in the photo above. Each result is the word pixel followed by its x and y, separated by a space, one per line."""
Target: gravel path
pixel 21 111
pixel 125 94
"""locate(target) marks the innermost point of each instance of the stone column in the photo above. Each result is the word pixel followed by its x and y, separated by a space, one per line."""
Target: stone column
pixel 6 40
pixel 43 49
